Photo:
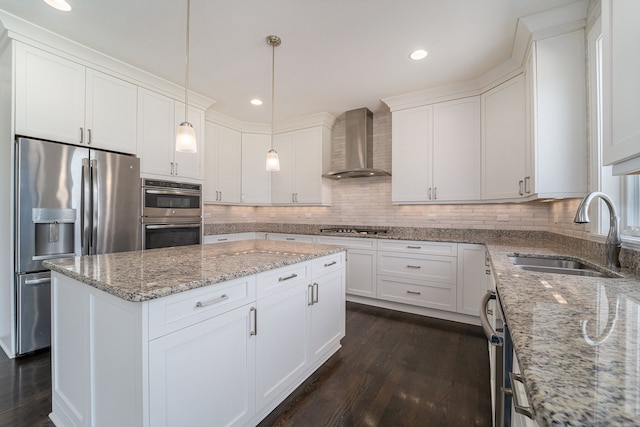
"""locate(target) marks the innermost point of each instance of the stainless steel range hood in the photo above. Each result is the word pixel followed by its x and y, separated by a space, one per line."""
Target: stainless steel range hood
pixel 359 147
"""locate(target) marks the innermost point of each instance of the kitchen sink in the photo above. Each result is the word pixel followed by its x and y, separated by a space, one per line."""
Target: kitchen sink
pixel 557 265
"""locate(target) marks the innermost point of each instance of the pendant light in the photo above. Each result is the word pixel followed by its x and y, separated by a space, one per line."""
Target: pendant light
pixel 186 135
pixel 273 161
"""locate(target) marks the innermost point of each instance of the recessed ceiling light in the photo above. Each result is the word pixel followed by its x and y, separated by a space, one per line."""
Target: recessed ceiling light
pixel 256 101
pixel 59 4
pixel 419 54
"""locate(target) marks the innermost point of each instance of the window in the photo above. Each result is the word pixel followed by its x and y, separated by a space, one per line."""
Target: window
pixel 624 191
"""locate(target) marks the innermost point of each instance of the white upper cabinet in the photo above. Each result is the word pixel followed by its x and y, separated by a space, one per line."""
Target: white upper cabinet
pixel 158 119
pixel 304 156
pixel 256 181
pixel 222 164
pixel 436 152
pixel 556 118
pixel 621 86
pixel 504 140
pixel 63 101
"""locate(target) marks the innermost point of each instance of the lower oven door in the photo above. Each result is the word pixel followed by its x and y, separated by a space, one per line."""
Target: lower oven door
pixel 167 234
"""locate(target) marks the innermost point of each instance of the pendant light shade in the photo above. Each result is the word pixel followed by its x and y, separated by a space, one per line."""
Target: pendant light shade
pixel 273 161
pixel 186 135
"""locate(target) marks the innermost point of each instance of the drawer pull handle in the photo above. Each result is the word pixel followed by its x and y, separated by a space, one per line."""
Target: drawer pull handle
pixel 218 300
pixel 222 240
pixel 414 247
pixel 292 276
pixel 329 264
pixel 413 293
pixel 254 331
pixel 413 266
pixel 290 238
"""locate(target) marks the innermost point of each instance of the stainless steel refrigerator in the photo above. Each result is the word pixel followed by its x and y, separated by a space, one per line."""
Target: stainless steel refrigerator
pixel 70 201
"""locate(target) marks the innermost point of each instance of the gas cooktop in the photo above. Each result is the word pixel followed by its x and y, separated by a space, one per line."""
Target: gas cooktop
pixel 349 230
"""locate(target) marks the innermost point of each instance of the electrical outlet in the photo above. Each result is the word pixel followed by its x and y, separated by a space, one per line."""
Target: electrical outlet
pixel 432 217
pixel 307 216
pixel 503 217
pixel 556 219
pixel 273 215
pixel 207 215
pixel 244 215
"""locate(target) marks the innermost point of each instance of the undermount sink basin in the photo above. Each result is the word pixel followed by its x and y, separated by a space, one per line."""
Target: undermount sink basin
pixel 557 265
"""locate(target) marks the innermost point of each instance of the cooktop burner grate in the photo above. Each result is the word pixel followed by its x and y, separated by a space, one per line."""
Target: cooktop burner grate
pixel 349 230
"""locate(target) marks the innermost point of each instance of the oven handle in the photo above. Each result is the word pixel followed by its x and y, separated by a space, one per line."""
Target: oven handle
pixel 491 334
pixel 165 226
pixel 173 191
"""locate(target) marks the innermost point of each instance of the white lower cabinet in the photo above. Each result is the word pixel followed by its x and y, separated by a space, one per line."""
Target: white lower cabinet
pixel 223 355
pixel 204 373
pixel 282 320
pixel 474 272
pixel 291 237
pixel 361 263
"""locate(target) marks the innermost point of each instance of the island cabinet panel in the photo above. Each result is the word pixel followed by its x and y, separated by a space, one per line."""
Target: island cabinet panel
pixel 281 345
pixel 204 375
pixel 326 324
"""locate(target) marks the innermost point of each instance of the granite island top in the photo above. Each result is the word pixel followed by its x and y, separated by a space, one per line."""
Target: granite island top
pixel 144 275
pixel 576 338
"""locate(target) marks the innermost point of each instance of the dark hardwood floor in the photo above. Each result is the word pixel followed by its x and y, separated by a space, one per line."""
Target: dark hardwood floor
pixel 394 369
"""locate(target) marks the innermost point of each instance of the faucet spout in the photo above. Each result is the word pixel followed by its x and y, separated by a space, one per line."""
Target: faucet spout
pixel 613 242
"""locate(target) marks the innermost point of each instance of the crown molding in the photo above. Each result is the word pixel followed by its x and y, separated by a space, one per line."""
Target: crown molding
pixel 311 120
pixel 25 32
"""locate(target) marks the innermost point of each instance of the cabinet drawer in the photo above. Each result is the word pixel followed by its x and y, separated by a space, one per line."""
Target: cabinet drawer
pixel 411 246
pixel 219 238
pixel 327 264
pixel 178 311
pixel 350 242
pixel 303 238
pixel 420 267
pixel 440 296
pixel 274 281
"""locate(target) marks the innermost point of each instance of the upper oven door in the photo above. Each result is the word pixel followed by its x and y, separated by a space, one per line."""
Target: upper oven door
pixel 171 202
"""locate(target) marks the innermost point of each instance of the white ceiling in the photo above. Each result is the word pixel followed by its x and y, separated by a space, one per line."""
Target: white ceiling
pixel 336 55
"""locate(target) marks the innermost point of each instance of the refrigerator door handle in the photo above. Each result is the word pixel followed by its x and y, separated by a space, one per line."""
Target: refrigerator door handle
pixel 94 206
pixel 85 207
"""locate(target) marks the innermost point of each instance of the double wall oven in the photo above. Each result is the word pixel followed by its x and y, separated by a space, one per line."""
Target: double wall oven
pixel 171 213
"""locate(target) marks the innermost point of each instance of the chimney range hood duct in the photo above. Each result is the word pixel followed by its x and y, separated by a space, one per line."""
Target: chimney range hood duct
pixel 359 147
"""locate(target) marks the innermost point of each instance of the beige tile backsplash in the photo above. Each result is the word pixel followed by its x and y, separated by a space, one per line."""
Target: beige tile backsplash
pixel 367 201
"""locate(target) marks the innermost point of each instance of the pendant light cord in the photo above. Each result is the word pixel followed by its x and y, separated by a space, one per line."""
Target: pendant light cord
pixel 186 71
pixel 273 84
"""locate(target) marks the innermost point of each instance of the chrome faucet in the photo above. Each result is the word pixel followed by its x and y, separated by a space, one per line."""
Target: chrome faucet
pixel 613 242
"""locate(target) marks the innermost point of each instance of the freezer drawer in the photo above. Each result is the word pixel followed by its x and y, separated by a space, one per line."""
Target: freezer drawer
pixel 33 311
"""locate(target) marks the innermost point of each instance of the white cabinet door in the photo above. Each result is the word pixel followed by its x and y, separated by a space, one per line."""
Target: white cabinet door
pixel 49 96
pixel 556 100
pixel 456 150
pixel 222 164
pixel 473 280
pixel 281 348
pixel 111 110
pixel 282 182
pixel 621 86
pixel 361 273
pixel 503 140
pixel 156 136
pixel 327 317
pixel 188 165
pixel 256 181
pixel 291 237
pixel 187 385
pixel 411 154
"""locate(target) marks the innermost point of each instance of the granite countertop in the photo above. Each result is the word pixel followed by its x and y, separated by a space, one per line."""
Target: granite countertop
pixel 576 339
pixel 144 275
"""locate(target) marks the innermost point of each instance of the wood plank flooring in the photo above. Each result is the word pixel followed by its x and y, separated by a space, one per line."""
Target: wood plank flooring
pixel 394 369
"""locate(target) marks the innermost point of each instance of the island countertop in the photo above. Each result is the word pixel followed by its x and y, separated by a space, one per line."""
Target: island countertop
pixel 144 275
pixel 577 339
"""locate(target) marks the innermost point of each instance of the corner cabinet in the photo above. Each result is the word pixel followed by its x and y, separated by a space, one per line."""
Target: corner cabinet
pixel 304 156
pixel 222 165
pixel 427 143
pixel 63 101
pixel 621 87
pixel 158 119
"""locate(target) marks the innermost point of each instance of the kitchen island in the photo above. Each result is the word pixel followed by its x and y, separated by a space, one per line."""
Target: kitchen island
pixel 193 335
